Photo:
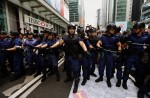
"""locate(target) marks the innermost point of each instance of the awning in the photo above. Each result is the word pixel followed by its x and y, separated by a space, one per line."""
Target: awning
pixel 43 9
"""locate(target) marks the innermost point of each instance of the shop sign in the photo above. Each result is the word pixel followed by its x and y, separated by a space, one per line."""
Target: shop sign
pixel 37 22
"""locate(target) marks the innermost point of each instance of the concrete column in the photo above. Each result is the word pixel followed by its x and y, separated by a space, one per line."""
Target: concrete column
pixel 7 15
pixel 21 19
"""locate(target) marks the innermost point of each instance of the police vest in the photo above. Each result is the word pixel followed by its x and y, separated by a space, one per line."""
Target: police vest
pixel 71 47
pixel 93 41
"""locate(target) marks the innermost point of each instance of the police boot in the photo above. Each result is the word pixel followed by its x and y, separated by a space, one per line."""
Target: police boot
pixel 108 83
pixel 68 79
pixel 93 74
pixel 88 78
pixel 118 83
pixel 140 94
pixel 37 73
pixel 76 85
pixel 124 85
pixel 43 78
pixel 57 73
pixel 99 79
pixel 84 81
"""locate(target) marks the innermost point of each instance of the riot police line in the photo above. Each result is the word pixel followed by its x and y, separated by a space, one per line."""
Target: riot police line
pixel 110 49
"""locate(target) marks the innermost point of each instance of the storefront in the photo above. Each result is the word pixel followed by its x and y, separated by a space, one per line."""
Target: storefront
pixel 24 14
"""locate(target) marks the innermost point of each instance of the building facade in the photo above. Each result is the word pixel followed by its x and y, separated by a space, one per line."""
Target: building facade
pixel 145 12
pixel 73 11
pixel 136 10
pixel 18 15
pixel 123 10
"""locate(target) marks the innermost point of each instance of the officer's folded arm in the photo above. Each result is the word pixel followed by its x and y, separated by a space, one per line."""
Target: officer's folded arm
pixel 83 46
pixel 99 44
pixel 12 49
pixel 44 46
pixel 119 46
pixel 58 43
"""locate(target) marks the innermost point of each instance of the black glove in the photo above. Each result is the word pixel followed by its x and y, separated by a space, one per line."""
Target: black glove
pixel 3 50
pixel 100 48
pixel 87 53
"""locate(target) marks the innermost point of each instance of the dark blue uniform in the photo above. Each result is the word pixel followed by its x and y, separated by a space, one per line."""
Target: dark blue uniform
pixel 109 43
pixel 4 44
pixel 17 57
pixel 134 57
pixel 72 51
pixel 29 44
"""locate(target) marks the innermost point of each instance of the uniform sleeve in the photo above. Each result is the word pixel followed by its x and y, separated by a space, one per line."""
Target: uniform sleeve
pixel 79 39
pixel 48 43
pixel 87 43
pixel 17 42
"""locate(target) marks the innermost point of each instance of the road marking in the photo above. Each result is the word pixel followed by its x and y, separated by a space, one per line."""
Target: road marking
pixel 36 85
pixel 61 61
pixel 25 87
pixel 30 90
pixel 9 91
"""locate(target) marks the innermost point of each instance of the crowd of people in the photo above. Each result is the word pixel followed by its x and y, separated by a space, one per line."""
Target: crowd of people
pixel 84 49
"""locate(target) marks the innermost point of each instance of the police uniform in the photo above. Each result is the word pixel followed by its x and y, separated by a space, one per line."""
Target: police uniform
pixel 4 44
pixel 29 46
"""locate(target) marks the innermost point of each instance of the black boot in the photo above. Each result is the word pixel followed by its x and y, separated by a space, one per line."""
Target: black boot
pixel 38 73
pixel 108 83
pixel 93 74
pixel 140 94
pixel 99 79
pixel 76 85
pixel 88 78
pixel 84 81
pixel 124 85
pixel 68 80
pixel 43 78
pixel 118 83
pixel 57 75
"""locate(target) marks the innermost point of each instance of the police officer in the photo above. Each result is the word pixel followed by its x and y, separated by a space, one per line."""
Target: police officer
pixel 52 54
pixel 93 39
pixel 72 45
pixel 29 45
pixel 4 44
pixel 40 56
pixel 17 55
pixel 134 55
pixel 110 42
pixel 84 59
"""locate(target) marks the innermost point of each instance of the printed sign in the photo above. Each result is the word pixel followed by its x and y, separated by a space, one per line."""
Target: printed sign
pixel 37 22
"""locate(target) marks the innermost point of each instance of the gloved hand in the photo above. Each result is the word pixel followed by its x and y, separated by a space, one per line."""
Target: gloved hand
pixel 3 50
pixel 93 49
pixel 100 48
pixel 87 53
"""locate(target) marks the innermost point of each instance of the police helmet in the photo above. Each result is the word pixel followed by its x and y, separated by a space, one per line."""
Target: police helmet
pixel 111 26
pixel 3 33
pixel 70 26
pixel 54 33
pixel 142 25
pixel 93 30
pixel 118 29
pixel 30 33
pixel 149 26
pixel 137 25
pixel 13 33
